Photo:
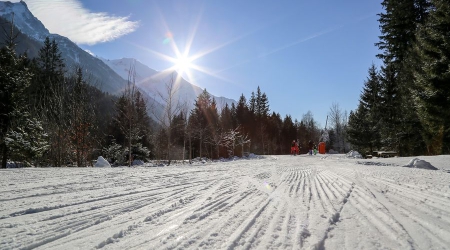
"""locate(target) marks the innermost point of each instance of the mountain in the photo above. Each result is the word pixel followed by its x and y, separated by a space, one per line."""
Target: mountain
pixel 154 83
pixel 33 33
pixel 108 75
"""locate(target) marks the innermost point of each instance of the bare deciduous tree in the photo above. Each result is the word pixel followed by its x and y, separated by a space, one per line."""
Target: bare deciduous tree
pixel 173 107
pixel 338 121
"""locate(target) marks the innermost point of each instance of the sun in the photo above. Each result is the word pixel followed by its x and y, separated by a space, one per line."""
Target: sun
pixel 183 64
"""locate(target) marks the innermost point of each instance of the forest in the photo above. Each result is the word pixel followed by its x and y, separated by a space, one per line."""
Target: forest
pixel 51 115
pixel 405 105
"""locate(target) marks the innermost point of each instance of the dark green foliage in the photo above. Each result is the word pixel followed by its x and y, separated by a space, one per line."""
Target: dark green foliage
pixel 364 125
pixel 81 119
pixel 432 73
pixel 14 80
pixel 130 127
pixel 391 121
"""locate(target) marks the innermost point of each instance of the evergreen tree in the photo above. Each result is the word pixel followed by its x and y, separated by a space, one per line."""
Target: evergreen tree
pixel 252 103
pixel 398 27
pixel 47 88
pixel 81 119
pixel 262 105
pixel 226 120
pixel 143 123
pixel 242 113
pixel 391 115
pixel 48 95
pixel 432 85
pixel 261 112
pixel 370 107
pixel 289 133
pixel 179 132
pixel 233 114
pixel 274 129
pixel 358 130
pixel 199 120
pixel 131 120
pixel 20 135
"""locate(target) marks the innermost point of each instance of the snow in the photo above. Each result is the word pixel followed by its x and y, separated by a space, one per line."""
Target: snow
pixel 270 202
pixel 137 163
pixel 24 20
pixel 102 163
pixel 418 163
pixel 354 154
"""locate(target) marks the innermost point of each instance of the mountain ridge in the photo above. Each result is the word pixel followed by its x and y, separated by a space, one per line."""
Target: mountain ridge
pixel 154 82
pixel 109 75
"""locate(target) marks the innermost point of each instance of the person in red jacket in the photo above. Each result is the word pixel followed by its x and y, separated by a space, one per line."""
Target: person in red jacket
pixel 294 148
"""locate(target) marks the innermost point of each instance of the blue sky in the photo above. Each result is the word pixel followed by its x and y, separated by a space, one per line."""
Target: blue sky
pixel 304 55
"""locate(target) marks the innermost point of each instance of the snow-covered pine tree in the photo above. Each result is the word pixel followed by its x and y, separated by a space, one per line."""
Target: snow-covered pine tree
pixel 21 137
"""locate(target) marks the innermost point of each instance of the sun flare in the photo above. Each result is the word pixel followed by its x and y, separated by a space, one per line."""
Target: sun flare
pixel 183 64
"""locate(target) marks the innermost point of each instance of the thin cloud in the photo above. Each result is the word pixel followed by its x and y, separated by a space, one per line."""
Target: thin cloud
pixel 70 19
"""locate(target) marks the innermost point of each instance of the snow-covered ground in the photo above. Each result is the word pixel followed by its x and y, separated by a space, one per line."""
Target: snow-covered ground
pixel 278 202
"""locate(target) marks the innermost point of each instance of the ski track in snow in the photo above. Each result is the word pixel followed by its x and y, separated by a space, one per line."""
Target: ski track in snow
pixel 283 202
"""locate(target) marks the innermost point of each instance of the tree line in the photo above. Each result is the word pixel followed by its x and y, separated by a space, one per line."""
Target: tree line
pixel 51 115
pixel 54 116
pixel 405 105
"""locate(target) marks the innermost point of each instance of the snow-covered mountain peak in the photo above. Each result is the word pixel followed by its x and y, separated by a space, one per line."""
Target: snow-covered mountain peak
pixel 154 82
pixel 24 19
pixel 122 68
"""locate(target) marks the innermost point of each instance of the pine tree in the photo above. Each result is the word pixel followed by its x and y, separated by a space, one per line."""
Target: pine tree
pixel 261 112
pixel 275 125
pixel 398 27
pixel 288 133
pixel 242 112
pixel 358 130
pixel 20 135
pixel 198 120
pixel 376 101
pixel 391 115
pixel 370 105
pixel 262 104
pixel 81 119
pixel 432 85
pixel 47 88
pixel 226 120
pixel 48 95
pixel 129 111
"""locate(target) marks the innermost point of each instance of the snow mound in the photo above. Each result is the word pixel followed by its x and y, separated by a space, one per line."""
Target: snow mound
pixel 418 163
pixel 354 154
pixel 102 163
pixel 137 163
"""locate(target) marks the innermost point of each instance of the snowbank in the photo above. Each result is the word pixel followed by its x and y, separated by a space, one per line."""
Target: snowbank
pixel 137 163
pixel 417 163
pixel 354 154
pixel 102 163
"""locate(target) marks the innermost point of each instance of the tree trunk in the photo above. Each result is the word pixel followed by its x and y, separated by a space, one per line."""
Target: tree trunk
pixel 184 147
pixel 4 155
pixel 190 149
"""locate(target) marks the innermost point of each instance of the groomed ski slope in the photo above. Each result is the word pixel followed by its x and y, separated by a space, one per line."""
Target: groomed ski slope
pixel 278 202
